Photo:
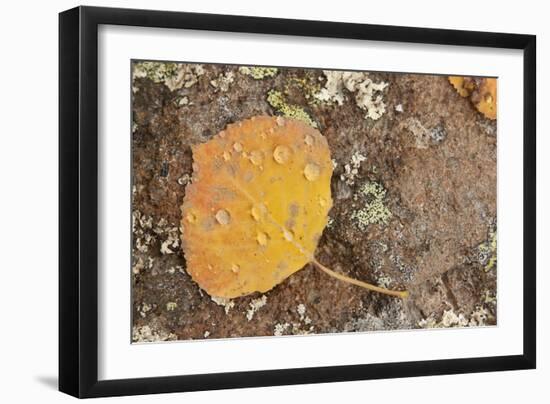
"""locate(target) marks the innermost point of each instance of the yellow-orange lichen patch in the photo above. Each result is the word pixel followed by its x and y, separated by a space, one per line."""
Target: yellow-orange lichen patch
pixel 481 91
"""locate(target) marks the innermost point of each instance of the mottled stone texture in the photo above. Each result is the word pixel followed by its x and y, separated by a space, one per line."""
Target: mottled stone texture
pixel 432 152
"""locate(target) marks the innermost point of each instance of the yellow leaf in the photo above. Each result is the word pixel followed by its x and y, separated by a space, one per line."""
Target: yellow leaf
pixel 257 205
pixel 458 84
pixel 481 91
pixel 485 98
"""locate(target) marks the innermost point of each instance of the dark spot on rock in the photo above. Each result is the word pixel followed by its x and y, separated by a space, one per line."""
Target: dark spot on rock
pixel 164 169
pixel 438 134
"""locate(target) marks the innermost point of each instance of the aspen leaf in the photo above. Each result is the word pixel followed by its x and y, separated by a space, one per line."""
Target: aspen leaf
pixel 481 91
pixel 257 205
pixel 485 98
pixel 461 86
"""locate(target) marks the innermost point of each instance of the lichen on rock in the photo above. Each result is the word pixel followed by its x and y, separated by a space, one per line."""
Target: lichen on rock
pixel 451 319
pixel 374 211
pixel 172 75
pixel 254 306
pixel 226 303
pixel 351 169
pixel 155 71
pixel 277 101
pixel 258 72
pixel 148 334
pixel 424 137
pixel 368 95
pixel 487 252
pixel 223 81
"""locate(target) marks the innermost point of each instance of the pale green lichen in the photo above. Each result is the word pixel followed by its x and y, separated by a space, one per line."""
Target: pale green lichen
pixel 258 73
pixel 182 101
pixel 148 334
pixel 301 327
pixel 308 86
pixel 254 306
pixel 487 252
pixel 374 211
pixel 144 309
pixel 227 304
pixel 172 75
pixel 479 317
pixel 384 281
pixel 155 71
pixel 489 298
pixel 280 329
pixel 277 101
pixel 351 170
pixel 223 81
pixel 450 319
pixel 301 309
pixel 368 95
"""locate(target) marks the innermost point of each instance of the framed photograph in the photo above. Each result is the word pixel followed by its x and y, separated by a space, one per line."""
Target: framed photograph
pixel 251 201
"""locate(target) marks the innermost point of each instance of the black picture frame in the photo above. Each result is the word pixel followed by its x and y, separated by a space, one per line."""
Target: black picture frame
pixel 78 201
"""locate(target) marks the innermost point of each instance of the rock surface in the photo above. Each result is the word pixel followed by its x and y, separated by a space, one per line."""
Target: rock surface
pixel 414 202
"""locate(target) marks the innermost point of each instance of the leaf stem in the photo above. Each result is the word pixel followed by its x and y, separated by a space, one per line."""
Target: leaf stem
pixel 403 294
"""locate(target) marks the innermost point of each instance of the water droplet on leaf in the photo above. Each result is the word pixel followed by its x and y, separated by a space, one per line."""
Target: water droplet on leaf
pixel 256 157
pixel 281 154
pixel 258 211
pixel 223 217
pixel 288 235
pixel 312 171
pixel 261 238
